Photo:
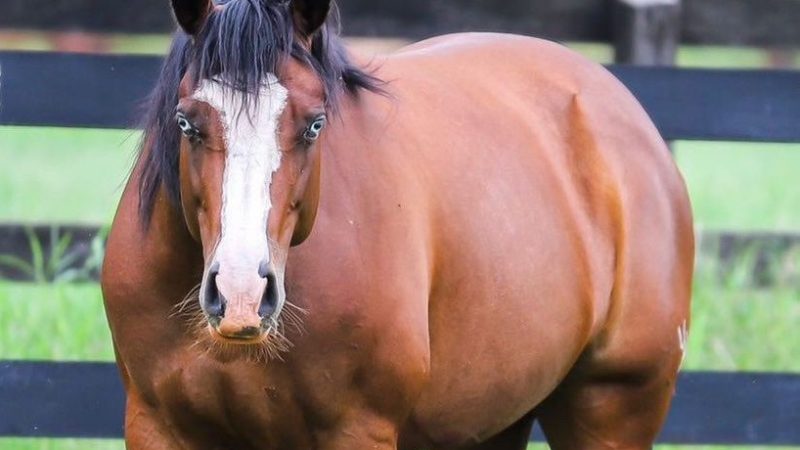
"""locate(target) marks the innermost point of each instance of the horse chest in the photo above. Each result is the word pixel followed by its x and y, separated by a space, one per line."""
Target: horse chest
pixel 230 405
pixel 207 389
pixel 244 404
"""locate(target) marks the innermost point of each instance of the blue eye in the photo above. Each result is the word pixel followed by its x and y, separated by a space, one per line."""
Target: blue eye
pixel 315 129
pixel 187 128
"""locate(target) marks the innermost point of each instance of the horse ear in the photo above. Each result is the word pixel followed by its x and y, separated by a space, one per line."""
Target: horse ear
pixel 192 14
pixel 310 15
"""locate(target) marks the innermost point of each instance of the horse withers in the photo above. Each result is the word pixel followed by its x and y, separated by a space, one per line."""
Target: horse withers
pixel 477 232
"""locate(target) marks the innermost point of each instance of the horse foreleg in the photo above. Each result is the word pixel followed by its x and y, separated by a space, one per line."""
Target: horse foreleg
pixel 362 432
pixel 143 431
pixel 514 437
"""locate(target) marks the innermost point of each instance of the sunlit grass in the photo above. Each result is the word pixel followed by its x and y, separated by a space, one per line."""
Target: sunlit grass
pixel 61 444
pixel 143 44
pixel 53 322
pixel 735 326
pixel 742 186
pixel 62 175
pixel 717 57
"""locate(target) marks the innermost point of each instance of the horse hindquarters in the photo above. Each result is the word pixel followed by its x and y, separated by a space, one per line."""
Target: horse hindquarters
pixel 619 393
pixel 597 414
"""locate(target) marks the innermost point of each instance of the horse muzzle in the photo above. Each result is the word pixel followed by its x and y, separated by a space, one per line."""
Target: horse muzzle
pixel 240 304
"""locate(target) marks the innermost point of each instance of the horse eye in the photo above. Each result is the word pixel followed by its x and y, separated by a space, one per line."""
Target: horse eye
pixel 315 129
pixel 187 128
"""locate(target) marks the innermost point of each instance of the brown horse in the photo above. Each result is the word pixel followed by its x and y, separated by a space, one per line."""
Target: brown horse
pixel 482 231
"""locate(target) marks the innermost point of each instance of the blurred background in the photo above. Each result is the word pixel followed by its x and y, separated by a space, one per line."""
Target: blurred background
pixel 59 185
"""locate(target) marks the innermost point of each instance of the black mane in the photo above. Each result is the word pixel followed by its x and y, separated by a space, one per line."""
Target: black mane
pixel 239 46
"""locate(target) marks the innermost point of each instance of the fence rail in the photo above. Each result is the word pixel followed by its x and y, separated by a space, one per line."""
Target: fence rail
pixel 86 400
pixel 94 91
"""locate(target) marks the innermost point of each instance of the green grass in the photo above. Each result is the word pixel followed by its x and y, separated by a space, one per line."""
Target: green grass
pixel 61 444
pixel 735 327
pixel 53 322
pixel 144 44
pixel 742 185
pixel 62 175
pixel 722 57
pixel 710 57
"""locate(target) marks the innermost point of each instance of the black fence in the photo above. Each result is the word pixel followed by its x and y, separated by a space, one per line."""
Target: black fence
pixel 69 90
pixel 85 400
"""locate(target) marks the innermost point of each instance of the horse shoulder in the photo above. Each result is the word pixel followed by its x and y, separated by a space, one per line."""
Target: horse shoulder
pixel 147 271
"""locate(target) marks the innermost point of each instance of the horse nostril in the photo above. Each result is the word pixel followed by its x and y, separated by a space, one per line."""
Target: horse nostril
pixel 263 268
pixel 269 300
pixel 213 301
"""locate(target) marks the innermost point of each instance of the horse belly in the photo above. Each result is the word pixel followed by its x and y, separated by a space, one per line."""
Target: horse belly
pixel 521 283
pixel 510 314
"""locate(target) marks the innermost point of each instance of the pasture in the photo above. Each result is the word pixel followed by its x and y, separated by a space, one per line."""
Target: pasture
pixel 56 175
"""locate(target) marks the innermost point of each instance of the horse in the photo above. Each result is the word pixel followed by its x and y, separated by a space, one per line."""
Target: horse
pixel 431 249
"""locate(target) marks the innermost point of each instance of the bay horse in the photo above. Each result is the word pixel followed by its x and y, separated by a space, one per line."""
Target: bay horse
pixel 428 250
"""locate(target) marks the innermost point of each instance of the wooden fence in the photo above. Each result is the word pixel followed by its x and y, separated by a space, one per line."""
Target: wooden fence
pixel 83 399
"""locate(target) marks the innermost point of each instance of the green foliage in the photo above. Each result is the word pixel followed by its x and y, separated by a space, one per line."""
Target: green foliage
pixel 93 263
pixel 58 264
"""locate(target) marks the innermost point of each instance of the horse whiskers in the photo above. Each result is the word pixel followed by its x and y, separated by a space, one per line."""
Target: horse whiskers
pixel 189 304
pixel 272 348
pixel 292 317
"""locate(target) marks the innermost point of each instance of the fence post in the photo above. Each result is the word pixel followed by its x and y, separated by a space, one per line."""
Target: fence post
pixel 646 32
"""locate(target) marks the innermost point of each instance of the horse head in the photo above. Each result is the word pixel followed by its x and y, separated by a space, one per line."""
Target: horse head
pixel 251 111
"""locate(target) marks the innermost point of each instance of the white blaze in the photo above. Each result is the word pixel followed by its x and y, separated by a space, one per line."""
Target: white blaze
pixel 253 156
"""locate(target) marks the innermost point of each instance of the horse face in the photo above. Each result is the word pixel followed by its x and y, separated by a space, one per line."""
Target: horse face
pixel 250 182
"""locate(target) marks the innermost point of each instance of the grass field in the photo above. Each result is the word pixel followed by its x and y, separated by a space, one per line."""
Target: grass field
pixel 54 175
